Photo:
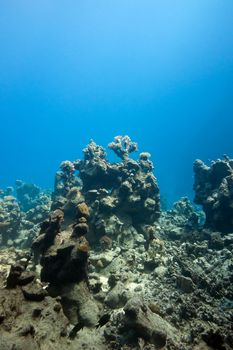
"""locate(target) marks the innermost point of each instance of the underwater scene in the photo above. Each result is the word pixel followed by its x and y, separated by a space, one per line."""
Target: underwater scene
pixel 116 178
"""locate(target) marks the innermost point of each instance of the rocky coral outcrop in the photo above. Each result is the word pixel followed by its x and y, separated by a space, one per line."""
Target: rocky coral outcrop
pixel 10 219
pixel 213 188
pixel 20 216
pixel 63 251
pixel 63 254
pixel 121 196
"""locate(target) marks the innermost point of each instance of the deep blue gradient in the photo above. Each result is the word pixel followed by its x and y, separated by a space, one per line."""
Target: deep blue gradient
pixel 160 71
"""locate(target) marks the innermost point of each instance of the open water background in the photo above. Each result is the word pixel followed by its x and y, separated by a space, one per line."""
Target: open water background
pixel 159 71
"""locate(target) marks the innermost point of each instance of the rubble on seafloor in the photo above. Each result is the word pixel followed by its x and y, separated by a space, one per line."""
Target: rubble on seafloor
pixel 107 268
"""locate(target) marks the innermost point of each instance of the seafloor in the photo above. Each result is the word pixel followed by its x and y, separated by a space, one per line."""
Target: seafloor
pixel 99 263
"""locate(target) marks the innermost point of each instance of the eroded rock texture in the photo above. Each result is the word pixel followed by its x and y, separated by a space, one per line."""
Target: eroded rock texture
pixel 214 191
pixel 29 317
pixel 63 251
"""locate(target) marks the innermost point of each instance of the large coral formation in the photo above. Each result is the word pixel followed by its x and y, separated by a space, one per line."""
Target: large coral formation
pixel 125 193
pixel 119 195
pixel 214 191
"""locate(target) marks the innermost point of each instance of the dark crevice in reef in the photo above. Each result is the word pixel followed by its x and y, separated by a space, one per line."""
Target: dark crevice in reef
pixel 98 265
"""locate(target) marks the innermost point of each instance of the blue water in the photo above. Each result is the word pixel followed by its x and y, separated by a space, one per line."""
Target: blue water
pixel 159 71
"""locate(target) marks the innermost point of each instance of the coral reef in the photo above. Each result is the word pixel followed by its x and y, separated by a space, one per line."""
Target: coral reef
pixel 21 215
pixel 27 194
pixel 214 191
pixel 108 269
pixel 120 194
